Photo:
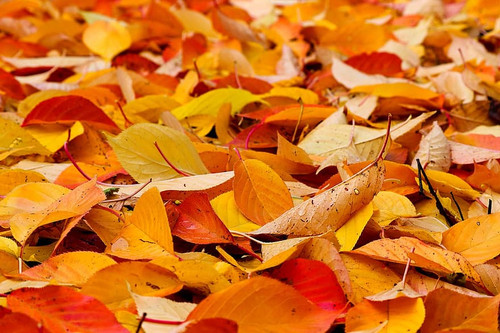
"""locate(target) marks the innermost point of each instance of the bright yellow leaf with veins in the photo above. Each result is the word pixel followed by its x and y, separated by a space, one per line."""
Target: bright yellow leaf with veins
pixel 225 207
pixel 106 39
pixel 53 136
pixel 136 151
pixel 388 206
pixel 349 233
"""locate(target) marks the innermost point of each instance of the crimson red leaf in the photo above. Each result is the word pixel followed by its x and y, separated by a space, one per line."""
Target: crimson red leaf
pixel 15 322
pixel 197 222
pixel 68 109
pixel 62 309
pixel 10 86
pixel 314 280
pixel 384 63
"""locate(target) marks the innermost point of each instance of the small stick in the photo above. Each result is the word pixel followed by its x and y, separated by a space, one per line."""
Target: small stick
pixel 439 205
pixel 458 206
pixel 490 206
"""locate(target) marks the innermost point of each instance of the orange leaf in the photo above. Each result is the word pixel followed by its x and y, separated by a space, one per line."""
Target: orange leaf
pixel 264 304
pixel 451 311
pixel 197 222
pixel 259 192
pixel 52 305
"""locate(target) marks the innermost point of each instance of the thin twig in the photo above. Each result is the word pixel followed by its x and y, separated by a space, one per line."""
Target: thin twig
pixel 439 205
pixel 458 206
pixel 250 237
pixel 490 206
pixel 140 322
pixel 130 195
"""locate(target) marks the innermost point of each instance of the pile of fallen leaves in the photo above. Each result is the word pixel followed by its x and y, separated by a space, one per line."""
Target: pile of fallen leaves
pixel 249 166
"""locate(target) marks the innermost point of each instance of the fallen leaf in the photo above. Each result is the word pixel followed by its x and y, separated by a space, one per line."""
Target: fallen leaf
pixel 260 305
pixel 136 151
pixel 259 192
pixel 106 38
pixel 50 306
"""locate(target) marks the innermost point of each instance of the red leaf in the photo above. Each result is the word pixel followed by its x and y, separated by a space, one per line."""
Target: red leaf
pixel 197 222
pixel 314 280
pixel 384 63
pixel 10 86
pixel 136 63
pixel 68 109
pixel 15 322
pixel 62 309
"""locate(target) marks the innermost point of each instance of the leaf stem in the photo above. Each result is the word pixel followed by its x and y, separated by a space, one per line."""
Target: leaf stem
pixel 140 322
pixel 252 131
pixel 180 172
pixel 128 123
pixel 161 321
pixel 490 206
pixel 80 170
pixel 249 237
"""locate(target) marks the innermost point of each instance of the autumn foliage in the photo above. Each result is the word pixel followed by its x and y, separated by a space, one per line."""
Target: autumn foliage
pixel 249 166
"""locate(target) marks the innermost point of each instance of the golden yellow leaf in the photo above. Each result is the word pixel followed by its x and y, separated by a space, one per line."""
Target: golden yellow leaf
pixel 73 204
pixel 396 89
pixel 349 233
pixel 477 238
pixel 110 285
pixel 53 136
pixel 18 141
pixel 225 207
pixel 389 206
pixel 211 102
pixel 446 182
pixel 402 314
pixel 147 234
pixel 368 276
pixel 106 38
pixel 10 178
pixel 136 151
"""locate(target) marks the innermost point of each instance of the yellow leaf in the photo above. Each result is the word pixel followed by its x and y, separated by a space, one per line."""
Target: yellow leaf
pixel 147 235
pixel 106 39
pixel 194 21
pixel 73 268
pixel 200 125
pixel 398 89
pixel 259 192
pixel 368 276
pixel 109 285
pixel 210 102
pixel 349 233
pixel 225 207
pixel 396 315
pixel 477 238
pixel 136 151
pixel 388 206
pixel 446 182
pixel 307 96
pixel 10 178
pixel 9 246
pixel 14 137
pixel 53 136
pixel 195 273
pixel 30 198
pixel 73 204
pixel 150 107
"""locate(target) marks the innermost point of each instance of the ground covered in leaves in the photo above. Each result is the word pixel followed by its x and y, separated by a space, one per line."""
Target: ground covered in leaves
pixel 249 166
